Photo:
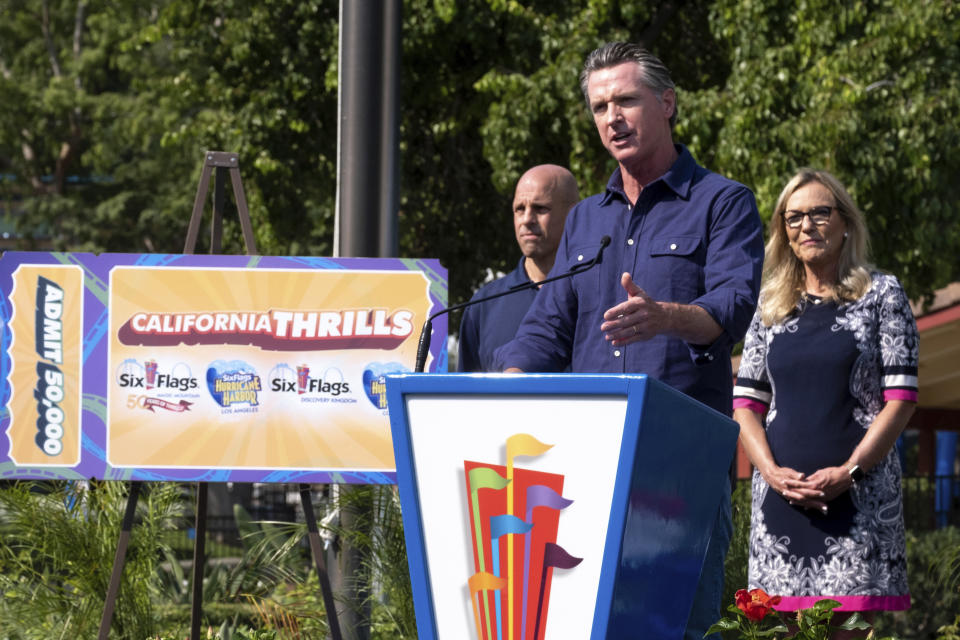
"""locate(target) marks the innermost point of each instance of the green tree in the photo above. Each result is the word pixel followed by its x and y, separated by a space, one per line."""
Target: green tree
pixel 869 90
pixel 449 208
pixel 74 133
pixel 124 97
pixel 257 78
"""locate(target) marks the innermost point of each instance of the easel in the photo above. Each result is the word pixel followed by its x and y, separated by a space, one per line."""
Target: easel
pixel 224 163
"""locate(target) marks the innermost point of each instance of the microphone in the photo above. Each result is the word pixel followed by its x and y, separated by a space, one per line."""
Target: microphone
pixel 424 346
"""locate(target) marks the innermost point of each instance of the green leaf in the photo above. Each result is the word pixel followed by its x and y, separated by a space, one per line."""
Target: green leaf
pixel 724 624
pixel 823 606
pixel 772 631
pixel 855 621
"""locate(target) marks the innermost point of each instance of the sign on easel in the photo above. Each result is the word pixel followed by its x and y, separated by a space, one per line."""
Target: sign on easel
pixel 201 367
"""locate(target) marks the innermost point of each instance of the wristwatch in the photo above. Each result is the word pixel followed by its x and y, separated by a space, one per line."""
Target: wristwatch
pixel 856 474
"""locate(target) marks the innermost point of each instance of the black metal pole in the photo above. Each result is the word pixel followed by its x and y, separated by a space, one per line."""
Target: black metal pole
pixel 390 130
pixel 361 25
pixel 368 176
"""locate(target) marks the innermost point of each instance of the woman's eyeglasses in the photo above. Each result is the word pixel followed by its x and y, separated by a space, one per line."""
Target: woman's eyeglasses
pixel 818 216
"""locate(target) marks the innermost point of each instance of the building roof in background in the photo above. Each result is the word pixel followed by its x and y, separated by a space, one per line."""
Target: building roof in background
pixel 939 328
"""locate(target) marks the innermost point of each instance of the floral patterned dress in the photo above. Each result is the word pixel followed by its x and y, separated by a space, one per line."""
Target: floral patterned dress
pixel 822 375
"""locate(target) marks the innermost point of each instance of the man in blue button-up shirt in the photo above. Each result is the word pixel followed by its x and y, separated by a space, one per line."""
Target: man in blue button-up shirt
pixel 678 284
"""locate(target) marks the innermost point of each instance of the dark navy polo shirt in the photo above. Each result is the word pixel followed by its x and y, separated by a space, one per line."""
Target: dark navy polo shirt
pixel 488 325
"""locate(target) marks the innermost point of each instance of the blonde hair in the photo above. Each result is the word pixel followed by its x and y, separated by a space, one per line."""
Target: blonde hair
pixel 783 272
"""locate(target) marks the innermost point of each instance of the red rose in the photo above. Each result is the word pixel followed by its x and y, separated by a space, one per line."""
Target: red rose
pixel 755 603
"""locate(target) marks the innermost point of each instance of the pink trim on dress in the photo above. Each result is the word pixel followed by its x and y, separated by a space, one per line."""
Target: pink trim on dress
pixel 748 403
pixel 848 603
pixel 907 395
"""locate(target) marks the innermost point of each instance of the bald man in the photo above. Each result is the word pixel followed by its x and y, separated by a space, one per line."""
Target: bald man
pixel 543 196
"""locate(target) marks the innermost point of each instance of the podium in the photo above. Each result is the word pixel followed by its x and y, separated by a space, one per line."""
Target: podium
pixel 555 506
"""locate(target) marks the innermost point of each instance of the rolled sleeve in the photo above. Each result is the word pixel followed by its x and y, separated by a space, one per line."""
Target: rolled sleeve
pixel 732 271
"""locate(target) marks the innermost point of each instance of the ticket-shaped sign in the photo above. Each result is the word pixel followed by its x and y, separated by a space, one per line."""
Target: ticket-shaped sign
pixel 45 354
pixel 219 368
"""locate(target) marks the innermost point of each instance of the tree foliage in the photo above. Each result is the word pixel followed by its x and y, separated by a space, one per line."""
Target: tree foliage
pixel 106 109
pixel 866 89
pixel 142 92
pixel 60 539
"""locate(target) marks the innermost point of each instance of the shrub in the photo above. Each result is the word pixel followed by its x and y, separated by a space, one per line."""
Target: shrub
pixel 931 565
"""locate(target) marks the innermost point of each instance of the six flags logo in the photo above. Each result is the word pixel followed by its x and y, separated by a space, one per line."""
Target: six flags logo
pixel 514 518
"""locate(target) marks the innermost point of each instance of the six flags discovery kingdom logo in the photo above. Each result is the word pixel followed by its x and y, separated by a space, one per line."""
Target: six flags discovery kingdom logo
pixel 514 518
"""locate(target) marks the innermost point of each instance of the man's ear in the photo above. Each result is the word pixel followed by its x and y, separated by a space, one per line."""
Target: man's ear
pixel 669 102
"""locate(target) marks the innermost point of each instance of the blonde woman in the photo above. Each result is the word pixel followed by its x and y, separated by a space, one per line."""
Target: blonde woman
pixel 827 382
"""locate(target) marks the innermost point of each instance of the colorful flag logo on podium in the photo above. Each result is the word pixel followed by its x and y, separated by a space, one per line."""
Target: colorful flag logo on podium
pixel 514 516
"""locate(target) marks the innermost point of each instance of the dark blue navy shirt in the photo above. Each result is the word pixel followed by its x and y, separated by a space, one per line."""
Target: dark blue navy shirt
pixel 693 237
pixel 491 324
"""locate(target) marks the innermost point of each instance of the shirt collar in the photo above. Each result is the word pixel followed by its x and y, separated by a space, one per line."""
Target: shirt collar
pixel 678 177
pixel 521 270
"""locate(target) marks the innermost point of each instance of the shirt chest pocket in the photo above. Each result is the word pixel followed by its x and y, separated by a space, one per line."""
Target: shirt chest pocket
pixel 587 283
pixel 675 268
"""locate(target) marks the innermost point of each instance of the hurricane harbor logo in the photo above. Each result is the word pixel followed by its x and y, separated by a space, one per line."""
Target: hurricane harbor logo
pixel 311 384
pixel 514 516
pixel 234 385
pixel 150 387
pixel 375 382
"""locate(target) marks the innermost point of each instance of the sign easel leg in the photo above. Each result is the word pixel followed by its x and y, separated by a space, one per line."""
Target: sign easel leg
pixel 316 547
pixel 199 560
pixel 118 559
pixel 223 162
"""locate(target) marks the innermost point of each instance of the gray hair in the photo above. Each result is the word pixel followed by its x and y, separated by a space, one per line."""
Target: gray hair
pixel 655 74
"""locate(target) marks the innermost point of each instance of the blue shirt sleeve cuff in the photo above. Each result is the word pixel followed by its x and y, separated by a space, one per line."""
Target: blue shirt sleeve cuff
pixel 704 354
pixel 708 354
pixel 505 358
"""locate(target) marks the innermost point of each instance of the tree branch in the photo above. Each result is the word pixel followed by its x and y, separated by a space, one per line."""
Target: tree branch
pixel 30 156
pixel 48 39
pixel 4 69
pixel 78 23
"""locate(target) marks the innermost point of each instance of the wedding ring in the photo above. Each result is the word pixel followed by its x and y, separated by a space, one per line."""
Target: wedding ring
pixel 636 329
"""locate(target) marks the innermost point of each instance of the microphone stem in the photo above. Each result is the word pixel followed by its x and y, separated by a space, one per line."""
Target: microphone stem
pixel 424 346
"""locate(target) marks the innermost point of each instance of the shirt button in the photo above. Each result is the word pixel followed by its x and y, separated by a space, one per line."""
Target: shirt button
pixel 630 241
pixel 616 353
pixel 709 356
pixel 673 246
pixel 580 257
